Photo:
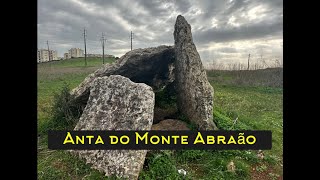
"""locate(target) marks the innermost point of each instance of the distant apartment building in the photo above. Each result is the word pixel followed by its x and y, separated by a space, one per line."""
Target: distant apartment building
pixel 44 56
pixel 66 56
pixel 75 52
pixel 54 55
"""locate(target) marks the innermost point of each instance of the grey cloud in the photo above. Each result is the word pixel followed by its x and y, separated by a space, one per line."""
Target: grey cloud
pixel 62 22
pixel 227 50
pixel 240 33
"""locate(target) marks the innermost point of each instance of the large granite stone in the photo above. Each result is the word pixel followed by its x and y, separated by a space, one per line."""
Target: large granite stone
pixel 194 92
pixel 152 66
pixel 116 103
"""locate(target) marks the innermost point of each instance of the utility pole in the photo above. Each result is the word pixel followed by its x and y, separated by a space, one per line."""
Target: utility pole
pixel 85 47
pixel 131 37
pixel 48 50
pixel 248 61
pixel 102 41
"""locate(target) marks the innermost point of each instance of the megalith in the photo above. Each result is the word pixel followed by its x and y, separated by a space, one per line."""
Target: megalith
pixel 194 92
pixel 117 103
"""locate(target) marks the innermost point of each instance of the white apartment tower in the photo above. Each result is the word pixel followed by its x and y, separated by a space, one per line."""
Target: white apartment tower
pixel 66 56
pixel 75 52
pixel 43 55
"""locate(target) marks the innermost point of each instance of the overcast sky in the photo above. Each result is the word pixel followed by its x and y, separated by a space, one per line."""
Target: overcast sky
pixel 223 30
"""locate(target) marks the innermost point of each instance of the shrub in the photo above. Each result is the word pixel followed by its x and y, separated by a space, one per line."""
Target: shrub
pixel 66 109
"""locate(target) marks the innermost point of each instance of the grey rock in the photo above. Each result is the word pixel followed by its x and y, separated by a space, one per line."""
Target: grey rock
pixel 195 94
pixel 164 113
pixel 152 66
pixel 116 103
pixel 170 125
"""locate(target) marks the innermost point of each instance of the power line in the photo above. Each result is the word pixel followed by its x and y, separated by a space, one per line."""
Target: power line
pixel 131 37
pixel 85 47
pixel 248 61
pixel 48 50
pixel 102 41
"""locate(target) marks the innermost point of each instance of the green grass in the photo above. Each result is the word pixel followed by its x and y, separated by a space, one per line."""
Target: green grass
pixel 257 105
pixel 77 62
pixel 60 164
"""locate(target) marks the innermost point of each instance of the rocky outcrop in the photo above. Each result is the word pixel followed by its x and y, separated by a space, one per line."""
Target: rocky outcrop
pixel 152 66
pixel 116 103
pixel 195 94
pixel 170 125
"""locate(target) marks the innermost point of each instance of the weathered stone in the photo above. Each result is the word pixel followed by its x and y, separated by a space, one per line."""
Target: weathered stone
pixel 152 66
pixel 195 94
pixel 164 113
pixel 170 125
pixel 116 103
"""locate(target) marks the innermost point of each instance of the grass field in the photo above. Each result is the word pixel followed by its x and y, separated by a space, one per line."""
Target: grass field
pixel 255 98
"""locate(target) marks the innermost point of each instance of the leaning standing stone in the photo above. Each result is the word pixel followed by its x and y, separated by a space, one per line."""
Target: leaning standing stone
pixel 194 92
